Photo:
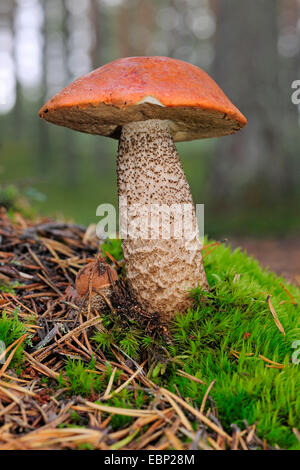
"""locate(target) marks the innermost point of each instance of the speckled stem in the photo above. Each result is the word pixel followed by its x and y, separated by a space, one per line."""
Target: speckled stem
pixel 160 271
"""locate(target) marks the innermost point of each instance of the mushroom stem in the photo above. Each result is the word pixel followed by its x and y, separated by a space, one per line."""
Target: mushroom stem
pixel 163 258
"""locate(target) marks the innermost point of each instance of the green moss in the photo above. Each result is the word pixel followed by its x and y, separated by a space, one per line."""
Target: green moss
pixel 81 378
pixel 11 329
pixel 21 201
pixel 8 195
pixel 85 446
pixel 124 399
pixel 9 288
pixel 204 338
pixel 245 388
pixel 114 247
pixel 130 338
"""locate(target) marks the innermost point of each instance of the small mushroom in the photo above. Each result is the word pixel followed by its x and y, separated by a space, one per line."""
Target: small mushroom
pixel 148 103
pixel 94 283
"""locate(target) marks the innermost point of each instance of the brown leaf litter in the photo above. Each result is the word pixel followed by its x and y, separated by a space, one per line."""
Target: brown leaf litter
pixel 43 258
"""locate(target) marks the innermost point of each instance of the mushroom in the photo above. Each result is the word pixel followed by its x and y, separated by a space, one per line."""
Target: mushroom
pixel 148 103
pixel 94 283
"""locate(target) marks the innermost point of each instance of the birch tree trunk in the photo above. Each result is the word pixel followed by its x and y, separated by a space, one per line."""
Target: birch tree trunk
pixel 249 168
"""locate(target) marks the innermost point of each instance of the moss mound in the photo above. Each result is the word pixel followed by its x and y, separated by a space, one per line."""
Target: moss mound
pixel 231 337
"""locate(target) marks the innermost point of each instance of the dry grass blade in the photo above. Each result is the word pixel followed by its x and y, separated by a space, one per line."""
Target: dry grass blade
pixel 174 441
pixel 179 412
pixel 206 395
pixel 242 442
pixel 10 357
pixel 37 260
pixel 106 299
pixel 276 364
pixel 92 322
pixel 13 297
pixel 11 395
pixel 289 294
pixel 182 373
pixel 115 410
pixel 297 433
pixel 41 367
pixel 110 384
pixel 57 246
pixel 199 415
pixel 212 247
pixel 124 442
pixel 17 388
pixel 277 322
pixel 50 284
pixel 47 438
pixel 4 353
pixel 214 444
pixel 118 265
pixel 124 385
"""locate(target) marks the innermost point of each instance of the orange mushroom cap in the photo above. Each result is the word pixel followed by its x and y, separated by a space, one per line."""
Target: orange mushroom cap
pixel 140 88
pixel 102 274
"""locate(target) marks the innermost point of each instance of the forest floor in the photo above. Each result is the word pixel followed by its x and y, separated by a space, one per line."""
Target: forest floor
pixel 73 377
pixel 280 255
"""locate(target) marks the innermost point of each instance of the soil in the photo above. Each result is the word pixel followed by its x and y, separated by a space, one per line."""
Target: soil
pixel 281 256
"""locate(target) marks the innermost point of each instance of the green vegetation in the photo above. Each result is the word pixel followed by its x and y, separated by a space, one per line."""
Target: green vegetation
pixel 114 247
pixel 9 288
pixel 236 316
pixel 80 378
pixel 11 329
pixel 8 195
pixel 230 336
pixel 130 339
pixel 227 337
pixel 12 199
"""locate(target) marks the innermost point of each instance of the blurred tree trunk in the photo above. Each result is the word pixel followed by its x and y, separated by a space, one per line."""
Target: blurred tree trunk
pixel 145 26
pixel 289 13
pixel 97 30
pixel 136 22
pixel 249 168
pixel 97 33
pixel 44 149
pixel 17 111
pixel 124 25
pixel 70 152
